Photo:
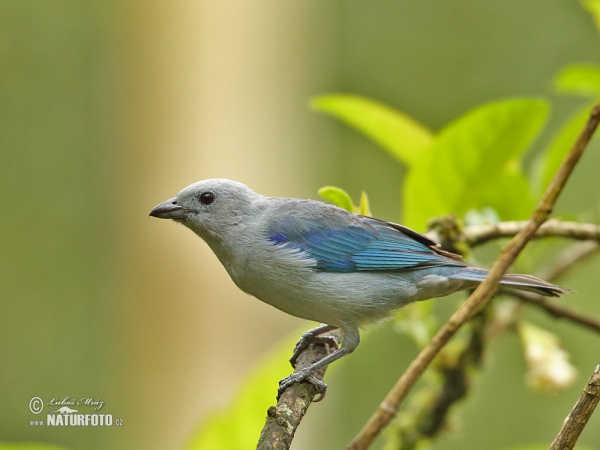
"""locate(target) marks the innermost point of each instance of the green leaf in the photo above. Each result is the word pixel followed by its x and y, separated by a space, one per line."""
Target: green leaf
pixel 364 207
pixel 550 160
pixel 238 426
pixel 593 7
pixel 511 197
pixel 421 199
pixel 401 136
pixel 338 197
pixel 473 163
pixel 579 79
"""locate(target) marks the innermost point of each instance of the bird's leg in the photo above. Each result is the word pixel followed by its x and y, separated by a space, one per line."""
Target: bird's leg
pixel 312 337
pixel 350 340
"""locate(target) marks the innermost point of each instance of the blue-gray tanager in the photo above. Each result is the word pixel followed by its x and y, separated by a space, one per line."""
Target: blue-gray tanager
pixel 319 262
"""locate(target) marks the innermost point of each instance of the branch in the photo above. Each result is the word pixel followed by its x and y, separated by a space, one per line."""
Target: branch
pixel 558 311
pixel 579 415
pixel 455 366
pixel 426 415
pixel 479 234
pixel 566 261
pixel 386 411
pixel 283 419
pixel 568 258
pixel 449 232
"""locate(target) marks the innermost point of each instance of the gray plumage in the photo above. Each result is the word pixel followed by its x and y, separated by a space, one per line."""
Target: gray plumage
pixel 319 262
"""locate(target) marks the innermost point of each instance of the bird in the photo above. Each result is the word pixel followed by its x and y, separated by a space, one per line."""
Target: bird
pixel 319 262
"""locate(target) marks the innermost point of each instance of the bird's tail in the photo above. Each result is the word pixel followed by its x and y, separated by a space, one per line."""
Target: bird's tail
pixel 514 281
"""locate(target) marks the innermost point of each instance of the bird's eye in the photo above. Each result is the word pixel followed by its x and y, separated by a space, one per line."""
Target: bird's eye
pixel 206 198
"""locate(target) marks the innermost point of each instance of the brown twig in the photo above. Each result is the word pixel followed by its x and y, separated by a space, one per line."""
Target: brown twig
pixel 479 234
pixel 284 418
pixel 387 409
pixel 566 260
pixel 426 415
pixel 558 311
pixel 453 371
pixel 579 415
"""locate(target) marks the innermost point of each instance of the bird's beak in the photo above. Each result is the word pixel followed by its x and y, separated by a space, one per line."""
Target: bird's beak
pixel 169 209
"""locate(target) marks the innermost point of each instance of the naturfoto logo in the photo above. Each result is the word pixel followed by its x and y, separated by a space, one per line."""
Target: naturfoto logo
pixel 65 415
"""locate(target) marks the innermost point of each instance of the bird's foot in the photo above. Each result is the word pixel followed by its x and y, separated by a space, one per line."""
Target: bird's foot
pixel 300 377
pixel 309 338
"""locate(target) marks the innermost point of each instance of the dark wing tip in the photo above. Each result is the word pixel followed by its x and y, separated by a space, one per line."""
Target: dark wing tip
pixel 534 284
pixel 557 291
pixel 450 255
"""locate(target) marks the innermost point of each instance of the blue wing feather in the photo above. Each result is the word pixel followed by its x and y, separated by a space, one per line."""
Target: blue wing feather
pixel 357 243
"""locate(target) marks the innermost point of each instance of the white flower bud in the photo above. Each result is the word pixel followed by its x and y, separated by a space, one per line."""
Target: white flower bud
pixel 548 363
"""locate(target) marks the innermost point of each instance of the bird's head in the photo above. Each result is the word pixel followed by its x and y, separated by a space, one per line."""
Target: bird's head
pixel 208 206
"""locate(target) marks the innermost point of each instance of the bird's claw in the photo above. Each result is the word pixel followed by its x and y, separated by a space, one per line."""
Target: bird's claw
pixel 307 339
pixel 300 377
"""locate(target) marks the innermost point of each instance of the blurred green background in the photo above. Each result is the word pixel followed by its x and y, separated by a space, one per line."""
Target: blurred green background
pixel 108 108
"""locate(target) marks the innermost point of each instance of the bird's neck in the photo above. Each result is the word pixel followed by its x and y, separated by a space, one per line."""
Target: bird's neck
pixel 221 247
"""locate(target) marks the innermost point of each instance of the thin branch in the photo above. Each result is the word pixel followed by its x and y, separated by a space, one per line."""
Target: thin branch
pixel 558 311
pixel 568 258
pixel 579 415
pixel 284 418
pixel 565 262
pixel 386 411
pixel 479 234
pixel 426 415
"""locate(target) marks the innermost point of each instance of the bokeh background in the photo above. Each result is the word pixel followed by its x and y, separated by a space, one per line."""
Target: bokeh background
pixel 108 108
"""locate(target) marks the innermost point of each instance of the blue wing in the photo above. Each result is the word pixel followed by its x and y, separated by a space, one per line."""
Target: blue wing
pixel 356 243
